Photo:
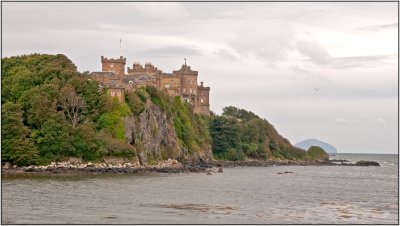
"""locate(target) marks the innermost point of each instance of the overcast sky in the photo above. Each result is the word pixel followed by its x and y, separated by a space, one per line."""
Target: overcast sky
pixel 269 58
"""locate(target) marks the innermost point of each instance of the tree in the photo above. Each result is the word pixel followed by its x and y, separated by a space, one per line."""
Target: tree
pixel 37 106
pixel 16 147
pixel 239 113
pixel 54 140
pixel 72 104
pixel 225 135
pixel 89 91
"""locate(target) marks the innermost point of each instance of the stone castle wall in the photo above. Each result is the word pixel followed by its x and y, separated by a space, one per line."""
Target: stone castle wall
pixel 182 82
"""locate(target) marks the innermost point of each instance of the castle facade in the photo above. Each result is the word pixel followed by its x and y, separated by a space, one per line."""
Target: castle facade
pixel 182 82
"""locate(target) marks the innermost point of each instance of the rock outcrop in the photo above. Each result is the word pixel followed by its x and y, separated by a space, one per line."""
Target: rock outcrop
pixel 367 163
pixel 154 136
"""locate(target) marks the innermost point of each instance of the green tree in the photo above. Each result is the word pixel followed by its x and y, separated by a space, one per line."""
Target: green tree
pixel 54 140
pixel 38 107
pixel 89 91
pixel 239 113
pixel 16 146
pixel 225 133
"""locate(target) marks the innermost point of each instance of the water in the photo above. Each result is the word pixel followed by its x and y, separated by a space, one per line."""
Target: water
pixel 242 195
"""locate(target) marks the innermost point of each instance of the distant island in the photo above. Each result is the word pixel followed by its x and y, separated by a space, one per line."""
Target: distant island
pixel 306 144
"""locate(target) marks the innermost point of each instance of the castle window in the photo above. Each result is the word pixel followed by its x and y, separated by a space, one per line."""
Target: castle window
pixel 202 100
pixel 184 90
pixel 130 82
pixel 191 81
pixel 167 86
pixel 190 90
pixel 112 65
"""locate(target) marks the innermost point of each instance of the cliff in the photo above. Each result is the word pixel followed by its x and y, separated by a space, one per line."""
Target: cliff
pixel 153 131
pixel 51 112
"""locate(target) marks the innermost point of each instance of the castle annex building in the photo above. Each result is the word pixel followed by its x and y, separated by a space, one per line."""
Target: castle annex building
pixel 182 82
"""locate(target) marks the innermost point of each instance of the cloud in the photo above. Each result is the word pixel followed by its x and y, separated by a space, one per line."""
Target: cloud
pixel 271 42
pixel 345 121
pixel 380 27
pixel 315 52
pixel 170 51
pixel 319 56
pixel 360 120
pixel 311 75
pixel 227 53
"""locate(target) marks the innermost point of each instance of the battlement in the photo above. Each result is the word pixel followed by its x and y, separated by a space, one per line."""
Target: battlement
pixel 110 60
pixel 113 65
pixel 182 82
pixel 148 68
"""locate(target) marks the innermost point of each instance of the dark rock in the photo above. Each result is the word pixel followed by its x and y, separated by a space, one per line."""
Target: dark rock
pixel 367 163
pixel 220 170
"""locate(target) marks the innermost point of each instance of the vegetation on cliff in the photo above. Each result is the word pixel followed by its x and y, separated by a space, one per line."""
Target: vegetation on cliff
pixel 239 134
pixel 51 112
pixel 316 153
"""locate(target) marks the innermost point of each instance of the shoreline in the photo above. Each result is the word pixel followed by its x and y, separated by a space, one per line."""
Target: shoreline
pixel 212 166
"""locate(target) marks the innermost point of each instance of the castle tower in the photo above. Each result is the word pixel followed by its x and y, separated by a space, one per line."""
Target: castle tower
pixel 113 65
pixel 188 86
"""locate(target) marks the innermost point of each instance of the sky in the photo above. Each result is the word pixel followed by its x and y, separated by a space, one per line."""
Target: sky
pixel 324 70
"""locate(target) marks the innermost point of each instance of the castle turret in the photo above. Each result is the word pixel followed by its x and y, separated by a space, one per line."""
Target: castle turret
pixel 113 65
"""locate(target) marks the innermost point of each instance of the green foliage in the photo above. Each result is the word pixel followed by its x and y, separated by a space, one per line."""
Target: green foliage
pixel 37 128
pixel 38 105
pixel 22 73
pixel 240 134
pixel 225 133
pixel 113 122
pixel 239 113
pixel 135 102
pixel 111 146
pixel 316 153
pixel 16 146
pixel 191 128
pixel 89 91
pixel 55 141
pixel 34 127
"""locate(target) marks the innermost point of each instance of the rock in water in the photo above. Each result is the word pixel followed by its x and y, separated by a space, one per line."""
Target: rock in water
pixel 367 163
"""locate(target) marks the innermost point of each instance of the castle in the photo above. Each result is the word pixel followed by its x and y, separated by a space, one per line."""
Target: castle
pixel 182 83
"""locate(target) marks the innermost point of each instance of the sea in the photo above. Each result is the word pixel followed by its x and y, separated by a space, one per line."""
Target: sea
pixel 239 195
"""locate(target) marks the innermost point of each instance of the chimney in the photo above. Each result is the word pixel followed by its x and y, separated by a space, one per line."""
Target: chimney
pixel 201 84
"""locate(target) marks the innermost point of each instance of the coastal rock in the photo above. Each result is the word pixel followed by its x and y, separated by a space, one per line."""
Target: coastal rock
pixel 7 165
pixel 367 163
pixel 154 132
pixel 154 136
pixel 75 160
pixel 113 160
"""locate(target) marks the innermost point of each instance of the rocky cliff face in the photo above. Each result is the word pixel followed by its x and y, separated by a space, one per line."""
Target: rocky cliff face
pixel 154 136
